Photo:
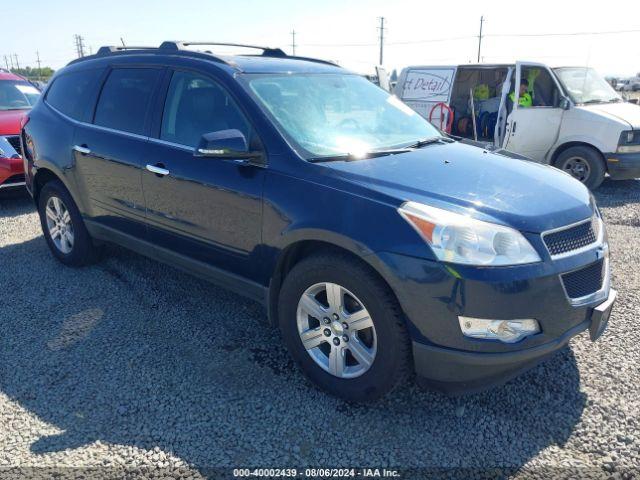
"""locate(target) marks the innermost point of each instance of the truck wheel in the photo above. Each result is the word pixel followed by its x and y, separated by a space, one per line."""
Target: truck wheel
pixel 63 228
pixel 344 327
pixel 584 164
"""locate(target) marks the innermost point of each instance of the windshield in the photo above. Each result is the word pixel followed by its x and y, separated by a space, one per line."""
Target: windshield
pixel 585 85
pixel 338 114
pixel 16 95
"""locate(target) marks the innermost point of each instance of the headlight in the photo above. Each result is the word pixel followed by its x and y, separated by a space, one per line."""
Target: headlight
pixel 629 142
pixel 461 239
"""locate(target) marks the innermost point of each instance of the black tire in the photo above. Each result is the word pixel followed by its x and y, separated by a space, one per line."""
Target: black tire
pixel 392 362
pixel 590 158
pixel 83 252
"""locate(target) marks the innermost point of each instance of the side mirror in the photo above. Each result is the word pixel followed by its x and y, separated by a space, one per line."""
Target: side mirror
pixel 224 144
pixel 565 104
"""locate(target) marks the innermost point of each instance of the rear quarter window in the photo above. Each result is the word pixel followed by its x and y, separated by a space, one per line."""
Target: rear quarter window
pixel 71 93
pixel 125 99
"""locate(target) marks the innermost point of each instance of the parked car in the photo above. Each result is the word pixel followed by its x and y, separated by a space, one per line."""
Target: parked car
pixel 631 85
pixel 378 246
pixel 16 97
pixel 568 117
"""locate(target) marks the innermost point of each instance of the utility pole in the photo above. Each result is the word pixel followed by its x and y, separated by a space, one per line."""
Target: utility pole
pixel 122 41
pixel 293 42
pixel 39 68
pixel 79 45
pixel 17 62
pixel 6 62
pixel 480 37
pixel 381 27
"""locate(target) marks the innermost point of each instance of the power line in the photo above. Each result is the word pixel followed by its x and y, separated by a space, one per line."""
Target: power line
pixel 468 37
pixel 381 27
pixel 558 34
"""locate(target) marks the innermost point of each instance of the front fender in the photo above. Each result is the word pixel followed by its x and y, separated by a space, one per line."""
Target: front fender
pixel 576 139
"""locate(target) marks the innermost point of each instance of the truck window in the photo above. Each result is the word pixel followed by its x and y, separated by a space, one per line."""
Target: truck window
pixel 541 86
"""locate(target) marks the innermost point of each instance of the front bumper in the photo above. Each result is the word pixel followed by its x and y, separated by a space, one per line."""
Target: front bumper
pixel 455 372
pixel 11 172
pixel 433 296
pixel 623 166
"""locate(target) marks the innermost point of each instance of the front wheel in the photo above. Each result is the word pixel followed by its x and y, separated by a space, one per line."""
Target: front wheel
pixel 584 164
pixel 344 327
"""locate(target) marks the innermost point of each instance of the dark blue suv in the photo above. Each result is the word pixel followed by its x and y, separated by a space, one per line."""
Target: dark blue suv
pixel 378 246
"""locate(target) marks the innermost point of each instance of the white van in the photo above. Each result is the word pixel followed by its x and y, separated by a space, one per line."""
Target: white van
pixel 569 117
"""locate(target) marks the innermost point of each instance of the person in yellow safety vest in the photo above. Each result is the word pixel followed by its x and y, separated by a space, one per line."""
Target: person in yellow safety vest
pixel 524 99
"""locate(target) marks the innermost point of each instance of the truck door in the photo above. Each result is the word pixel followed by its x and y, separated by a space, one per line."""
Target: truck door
pixel 533 124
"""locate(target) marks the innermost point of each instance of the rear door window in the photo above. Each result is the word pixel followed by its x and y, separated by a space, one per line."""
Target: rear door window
pixel 125 99
pixel 71 93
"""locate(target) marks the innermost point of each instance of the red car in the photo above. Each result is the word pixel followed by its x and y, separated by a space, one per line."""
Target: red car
pixel 17 96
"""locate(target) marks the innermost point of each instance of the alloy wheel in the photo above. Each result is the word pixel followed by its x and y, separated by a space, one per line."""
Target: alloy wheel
pixel 336 330
pixel 59 224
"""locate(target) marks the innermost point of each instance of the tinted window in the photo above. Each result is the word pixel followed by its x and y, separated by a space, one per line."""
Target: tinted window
pixel 195 106
pixel 71 92
pixel 125 98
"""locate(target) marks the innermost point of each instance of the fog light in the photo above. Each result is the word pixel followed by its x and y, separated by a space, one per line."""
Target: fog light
pixel 508 331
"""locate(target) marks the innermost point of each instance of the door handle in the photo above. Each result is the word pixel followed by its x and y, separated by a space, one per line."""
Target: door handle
pixel 158 169
pixel 82 149
pixel 513 128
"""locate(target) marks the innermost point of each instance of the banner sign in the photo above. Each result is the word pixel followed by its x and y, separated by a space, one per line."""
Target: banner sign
pixel 432 85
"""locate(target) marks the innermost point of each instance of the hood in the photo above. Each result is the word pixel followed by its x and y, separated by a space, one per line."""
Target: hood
pixel 10 121
pixel 519 193
pixel 623 111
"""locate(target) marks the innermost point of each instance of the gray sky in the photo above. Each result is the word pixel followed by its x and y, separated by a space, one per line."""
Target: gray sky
pixel 344 31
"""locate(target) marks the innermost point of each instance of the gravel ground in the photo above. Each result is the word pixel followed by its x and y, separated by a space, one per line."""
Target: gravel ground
pixel 132 364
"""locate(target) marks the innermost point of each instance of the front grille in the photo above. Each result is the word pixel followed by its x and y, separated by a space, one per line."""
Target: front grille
pixel 14 141
pixel 572 238
pixel 585 281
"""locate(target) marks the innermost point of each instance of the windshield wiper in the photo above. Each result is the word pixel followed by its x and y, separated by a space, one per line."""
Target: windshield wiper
pixel 428 141
pixel 350 157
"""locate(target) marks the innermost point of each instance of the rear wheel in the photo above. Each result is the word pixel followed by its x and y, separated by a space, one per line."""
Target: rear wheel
pixel 584 164
pixel 63 228
pixel 344 327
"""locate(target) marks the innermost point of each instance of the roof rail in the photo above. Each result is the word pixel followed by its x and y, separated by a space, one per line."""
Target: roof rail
pixel 266 51
pixel 119 48
pixel 180 47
